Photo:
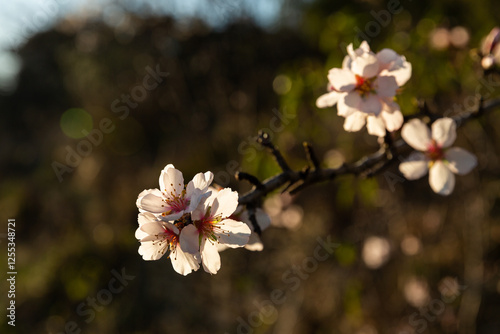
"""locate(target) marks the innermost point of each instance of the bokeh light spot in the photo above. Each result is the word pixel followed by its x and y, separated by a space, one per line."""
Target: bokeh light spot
pixel 76 123
pixel 282 84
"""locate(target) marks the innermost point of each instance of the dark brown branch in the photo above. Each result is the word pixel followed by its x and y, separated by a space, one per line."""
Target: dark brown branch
pixel 265 141
pixel 367 166
pixel 311 156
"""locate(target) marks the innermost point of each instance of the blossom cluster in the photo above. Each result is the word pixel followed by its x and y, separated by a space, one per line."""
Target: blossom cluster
pixel 190 222
pixel 365 89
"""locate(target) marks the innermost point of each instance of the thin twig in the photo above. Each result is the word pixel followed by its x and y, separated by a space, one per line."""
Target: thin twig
pixel 369 165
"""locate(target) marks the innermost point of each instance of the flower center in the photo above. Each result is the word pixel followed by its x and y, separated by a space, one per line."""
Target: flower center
pixel 209 225
pixel 364 86
pixel 176 203
pixel 435 152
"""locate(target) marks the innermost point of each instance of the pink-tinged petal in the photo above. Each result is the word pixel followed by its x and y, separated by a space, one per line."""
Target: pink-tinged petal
pixel 385 86
pixel 364 47
pixel 490 41
pixel 171 181
pixel 375 126
pixel 202 180
pixel 145 217
pixel 488 61
pixel 195 201
pixel 342 108
pixel 221 247
pixel 346 63
pixel 366 66
pixel 183 263
pixel 154 228
pixel 393 120
pixel 342 80
pixel 370 104
pixel 189 239
pixel 355 122
pixel 351 52
pixel 460 161
pixel 234 233
pixel 210 256
pixel 153 238
pixel 143 193
pixel 402 74
pixel 254 243
pixel 140 234
pixel 151 251
pixel 352 100
pixel 415 166
pixel 225 203
pixel 201 208
pixel 444 132
pixel 151 203
pixel 328 99
pixel 441 179
pixel 387 57
pixel 417 135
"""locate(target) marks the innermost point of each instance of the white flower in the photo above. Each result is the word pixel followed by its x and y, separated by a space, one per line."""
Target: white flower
pixel 212 226
pixel 263 220
pixel 157 237
pixel 490 49
pixel 365 87
pixel 173 199
pixel 435 155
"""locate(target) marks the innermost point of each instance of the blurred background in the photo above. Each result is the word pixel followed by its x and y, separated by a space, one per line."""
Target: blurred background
pixel 191 83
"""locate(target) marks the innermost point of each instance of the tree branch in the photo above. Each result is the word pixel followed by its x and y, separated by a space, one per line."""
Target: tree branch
pixel 367 166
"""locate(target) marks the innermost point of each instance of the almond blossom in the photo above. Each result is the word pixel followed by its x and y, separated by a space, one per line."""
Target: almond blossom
pixel 263 220
pixel 490 49
pixel 365 87
pixel 158 237
pixel 435 155
pixel 211 226
pixel 173 199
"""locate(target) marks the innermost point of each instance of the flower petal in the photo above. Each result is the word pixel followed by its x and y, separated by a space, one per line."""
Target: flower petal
pixel 254 243
pixel 140 234
pixel 153 250
pixel 441 179
pixel 387 58
pixel 386 86
pixel 152 202
pixel 153 228
pixel 328 99
pixel 225 203
pixel 189 239
pixel 415 166
pixel 342 80
pixel 460 161
pixel 416 134
pixel 392 120
pixel 183 263
pixel 234 233
pixel 444 132
pixel 365 65
pixel 370 104
pixel 171 180
pixel 355 121
pixel 375 126
pixel 345 110
pixel 146 217
pixel 210 256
